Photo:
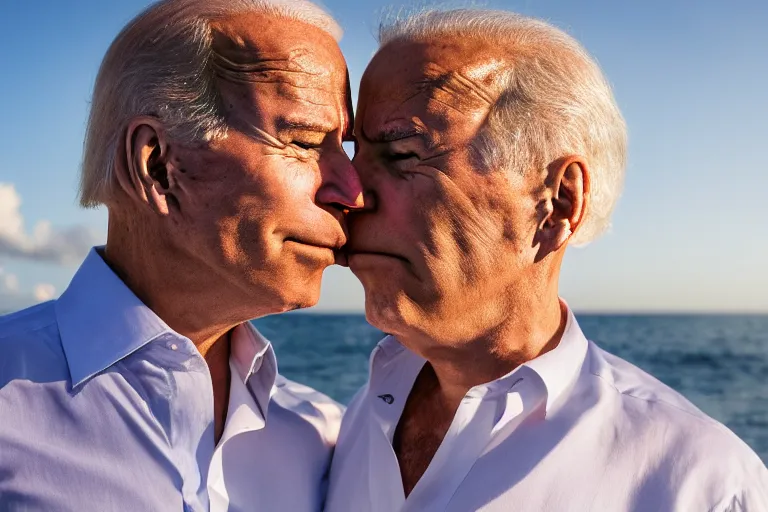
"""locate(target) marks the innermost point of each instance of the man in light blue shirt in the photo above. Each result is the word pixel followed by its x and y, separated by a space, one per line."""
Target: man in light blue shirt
pixel 488 142
pixel 215 142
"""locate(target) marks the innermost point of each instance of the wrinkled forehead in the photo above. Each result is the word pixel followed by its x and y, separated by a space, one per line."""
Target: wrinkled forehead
pixel 276 59
pixel 434 81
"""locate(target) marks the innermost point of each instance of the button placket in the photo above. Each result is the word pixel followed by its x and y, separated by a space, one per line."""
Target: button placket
pixel 455 457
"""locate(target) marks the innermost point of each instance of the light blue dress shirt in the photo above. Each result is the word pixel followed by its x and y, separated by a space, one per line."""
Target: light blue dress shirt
pixel 575 430
pixel 104 407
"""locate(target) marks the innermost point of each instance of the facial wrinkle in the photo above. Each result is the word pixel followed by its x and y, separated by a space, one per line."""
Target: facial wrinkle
pixel 248 56
pixel 265 70
pixel 315 93
pixel 441 154
pixel 389 117
pixel 262 65
pixel 259 135
pixel 471 233
pixel 459 84
pixel 308 101
pixel 297 68
pixel 448 105
pixel 405 100
pixel 454 89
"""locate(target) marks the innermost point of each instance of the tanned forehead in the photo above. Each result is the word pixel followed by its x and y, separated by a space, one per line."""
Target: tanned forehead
pixel 410 85
pixel 470 70
pixel 474 58
pixel 263 44
pixel 273 60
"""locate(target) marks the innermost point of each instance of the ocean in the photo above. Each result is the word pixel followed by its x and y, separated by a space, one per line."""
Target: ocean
pixel 718 362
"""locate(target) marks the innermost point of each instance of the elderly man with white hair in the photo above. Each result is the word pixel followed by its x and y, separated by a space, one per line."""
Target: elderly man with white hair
pixel 488 142
pixel 215 142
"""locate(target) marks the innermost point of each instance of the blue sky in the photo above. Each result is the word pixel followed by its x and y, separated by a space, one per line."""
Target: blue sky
pixel 690 232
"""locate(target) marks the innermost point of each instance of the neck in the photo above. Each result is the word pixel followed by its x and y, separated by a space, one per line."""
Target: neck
pixel 533 326
pixel 176 287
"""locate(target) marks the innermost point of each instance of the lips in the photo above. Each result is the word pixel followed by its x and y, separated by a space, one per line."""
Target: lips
pixel 350 252
pixel 332 245
pixel 329 248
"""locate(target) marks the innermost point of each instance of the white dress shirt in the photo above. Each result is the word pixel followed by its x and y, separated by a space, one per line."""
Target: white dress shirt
pixel 103 407
pixel 576 429
pixel 278 438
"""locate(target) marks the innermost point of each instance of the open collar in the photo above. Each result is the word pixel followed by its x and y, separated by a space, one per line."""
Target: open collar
pixel 560 367
pixel 101 321
pixel 255 365
pixel 394 367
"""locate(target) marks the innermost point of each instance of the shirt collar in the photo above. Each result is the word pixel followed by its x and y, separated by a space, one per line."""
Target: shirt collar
pixel 557 369
pixel 254 365
pixel 560 367
pixel 244 413
pixel 101 321
pixel 392 372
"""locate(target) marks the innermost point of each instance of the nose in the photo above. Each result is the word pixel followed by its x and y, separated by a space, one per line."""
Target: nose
pixel 367 182
pixel 340 187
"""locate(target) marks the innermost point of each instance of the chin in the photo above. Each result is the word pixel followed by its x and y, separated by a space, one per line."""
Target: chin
pixel 280 293
pixel 300 299
pixel 392 313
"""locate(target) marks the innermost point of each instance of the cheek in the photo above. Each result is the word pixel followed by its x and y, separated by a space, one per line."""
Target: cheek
pixel 463 229
pixel 262 188
pixel 283 185
pixel 480 232
pixel 236 201
pixel 504 209
pixel 270 201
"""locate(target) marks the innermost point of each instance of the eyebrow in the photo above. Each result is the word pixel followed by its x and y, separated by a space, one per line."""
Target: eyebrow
pixel 285 124
pixel 396 133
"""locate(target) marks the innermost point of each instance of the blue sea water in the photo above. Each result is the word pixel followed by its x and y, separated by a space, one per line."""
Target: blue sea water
pixel 719 362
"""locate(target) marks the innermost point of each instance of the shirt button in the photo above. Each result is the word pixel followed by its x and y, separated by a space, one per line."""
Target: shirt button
pixel 174 346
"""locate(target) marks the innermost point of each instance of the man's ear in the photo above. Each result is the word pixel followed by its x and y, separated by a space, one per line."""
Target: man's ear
pixel 143 169
pixel 568 186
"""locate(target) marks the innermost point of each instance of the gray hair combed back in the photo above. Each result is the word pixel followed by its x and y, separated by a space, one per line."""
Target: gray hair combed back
pixel 161 65
pixel 555 101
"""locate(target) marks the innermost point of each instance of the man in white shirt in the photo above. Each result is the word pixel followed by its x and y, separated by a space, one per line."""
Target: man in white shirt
pixel 215 142
pixel 488 142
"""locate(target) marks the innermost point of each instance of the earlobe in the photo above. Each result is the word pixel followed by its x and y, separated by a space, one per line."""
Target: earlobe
pixel 569 199
pixel 565 234
pixel 567 184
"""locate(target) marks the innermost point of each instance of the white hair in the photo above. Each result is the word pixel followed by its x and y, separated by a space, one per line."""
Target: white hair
pixel 161 65
pixel 554 102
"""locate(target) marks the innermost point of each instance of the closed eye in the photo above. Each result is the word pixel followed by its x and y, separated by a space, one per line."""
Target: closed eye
pixel 306 146
pixel 397 157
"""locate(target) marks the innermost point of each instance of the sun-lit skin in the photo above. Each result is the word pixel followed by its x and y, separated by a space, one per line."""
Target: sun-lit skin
pixel 212 235
pixel 466 237
pixel 460 262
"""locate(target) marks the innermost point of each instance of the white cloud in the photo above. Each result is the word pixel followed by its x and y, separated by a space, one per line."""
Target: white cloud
pixel 11 283
pixel 45 243
pixel 44 292
pixel 13 298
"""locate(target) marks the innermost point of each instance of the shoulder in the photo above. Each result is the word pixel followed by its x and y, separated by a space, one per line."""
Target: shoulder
pixel 634 385
pixel 669 429
pixel 30 344
pixel 27 321
pixel 313 407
